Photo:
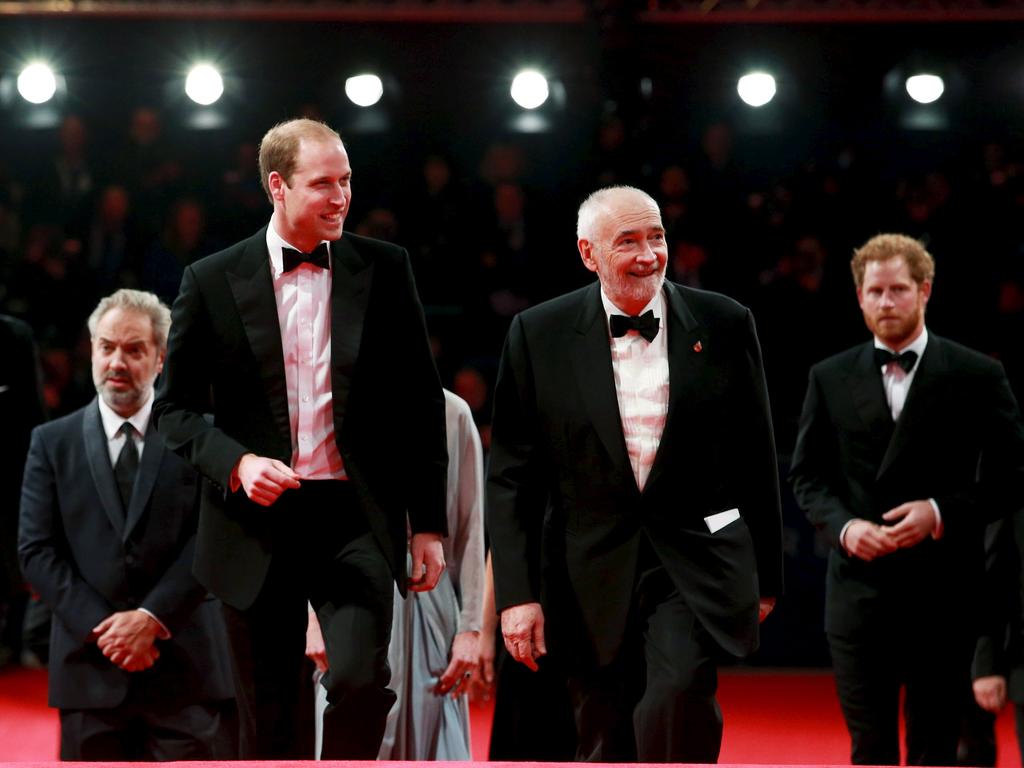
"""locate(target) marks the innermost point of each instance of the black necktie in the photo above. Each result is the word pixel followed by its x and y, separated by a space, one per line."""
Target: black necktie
pixel 318 258
pixel 127 465
pixel 646 325
pixel 904 359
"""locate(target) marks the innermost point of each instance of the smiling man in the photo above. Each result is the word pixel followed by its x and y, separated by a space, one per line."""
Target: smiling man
pixel 107 534
pixel 633 501
pixel 308 346
pixel 908 445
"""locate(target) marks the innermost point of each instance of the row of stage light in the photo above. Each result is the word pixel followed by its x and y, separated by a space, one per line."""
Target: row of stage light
pixel 37 84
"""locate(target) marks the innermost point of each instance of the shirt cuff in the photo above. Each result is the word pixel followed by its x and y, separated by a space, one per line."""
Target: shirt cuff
pixel 842 534
pixel 939 528
pixel 164 633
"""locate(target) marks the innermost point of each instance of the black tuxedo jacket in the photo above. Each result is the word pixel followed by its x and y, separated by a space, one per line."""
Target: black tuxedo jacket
pixel 87 559
pixel 225 357
pixel 565 514
pixel 959 440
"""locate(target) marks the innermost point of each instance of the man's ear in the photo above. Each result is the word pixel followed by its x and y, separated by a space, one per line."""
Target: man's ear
pixel 586 250
pixel 926 290
pixel 276 183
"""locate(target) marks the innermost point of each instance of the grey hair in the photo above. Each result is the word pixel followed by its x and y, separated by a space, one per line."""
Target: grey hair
pixel 143 302
pixel 597 203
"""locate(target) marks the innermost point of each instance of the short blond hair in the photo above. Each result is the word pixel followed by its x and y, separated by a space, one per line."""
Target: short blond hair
pixel 887 246
pixel 279 148
pixel 143 302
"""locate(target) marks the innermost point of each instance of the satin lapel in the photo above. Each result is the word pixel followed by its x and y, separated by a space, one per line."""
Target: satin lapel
pixel 149 467
pixel 864 383
pixel 919 400
pixel 592 366
pixel 350 293
pixel 102 470
pixel 253 289
pixel 688 362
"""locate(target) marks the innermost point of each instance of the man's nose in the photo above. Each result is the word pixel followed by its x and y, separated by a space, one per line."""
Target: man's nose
pixel 647 254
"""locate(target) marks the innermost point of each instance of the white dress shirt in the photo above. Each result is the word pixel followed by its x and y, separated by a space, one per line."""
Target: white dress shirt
pixel 303 298
pixel 640 369
pixel 895 380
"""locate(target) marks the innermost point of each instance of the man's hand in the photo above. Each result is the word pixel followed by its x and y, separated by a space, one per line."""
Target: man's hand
pixel 916 522
pixel 990 692
pixel 316 651
pixel 127 639
pixel 455 679
pixel 765 606
pixel 867 541
pixel 522 626
pixel 265 479
pixel 427 561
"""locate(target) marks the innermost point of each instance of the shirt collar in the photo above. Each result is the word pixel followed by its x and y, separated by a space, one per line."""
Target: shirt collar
pixel 275 244
pixel 112 421
pixel 917 345
pixel 655 305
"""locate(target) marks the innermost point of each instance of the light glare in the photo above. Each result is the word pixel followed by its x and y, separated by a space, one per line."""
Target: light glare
pixel 204 84
pixel 530 89
pixel 756 88
pixel 924 89
pixel 37 83
pixel 364 90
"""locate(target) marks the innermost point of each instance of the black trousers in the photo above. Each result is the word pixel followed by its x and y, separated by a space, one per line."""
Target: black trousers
pixel 933 668
pixel 325 554
pixel 655 703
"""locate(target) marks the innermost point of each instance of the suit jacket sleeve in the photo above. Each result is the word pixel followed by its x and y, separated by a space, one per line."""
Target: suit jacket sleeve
pixel 184 393
pixel 815 465
pixel 43 548
pixel 515 490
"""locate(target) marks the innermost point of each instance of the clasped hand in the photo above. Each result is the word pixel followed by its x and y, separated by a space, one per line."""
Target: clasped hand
pixel 128 639
pixel 909 525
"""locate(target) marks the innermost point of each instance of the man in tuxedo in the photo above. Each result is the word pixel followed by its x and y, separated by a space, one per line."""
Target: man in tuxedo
pixel 633 500
pixel 908 445
pixel 328 438
pixel 138 662
pixel 21 409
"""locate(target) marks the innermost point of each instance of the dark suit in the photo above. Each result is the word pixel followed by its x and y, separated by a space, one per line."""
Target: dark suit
pixel 89 558
pixel 225 356
pixel 907 617
pixel 570 528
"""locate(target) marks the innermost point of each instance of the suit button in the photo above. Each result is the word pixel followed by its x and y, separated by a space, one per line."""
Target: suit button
pixel 131 561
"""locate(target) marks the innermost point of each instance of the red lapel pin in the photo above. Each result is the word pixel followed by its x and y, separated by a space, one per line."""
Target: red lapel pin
pixel 697 347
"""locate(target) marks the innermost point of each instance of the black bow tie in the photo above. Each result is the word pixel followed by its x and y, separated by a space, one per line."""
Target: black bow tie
pixel 646 325
pixel 318 258
pixel 905 359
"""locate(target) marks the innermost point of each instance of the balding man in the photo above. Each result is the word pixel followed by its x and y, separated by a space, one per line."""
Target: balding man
pixel 633 491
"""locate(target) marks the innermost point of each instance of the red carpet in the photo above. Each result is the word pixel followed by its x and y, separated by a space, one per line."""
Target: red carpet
pixel 771 718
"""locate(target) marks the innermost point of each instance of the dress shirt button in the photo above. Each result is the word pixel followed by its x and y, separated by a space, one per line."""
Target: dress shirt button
pixel 305 398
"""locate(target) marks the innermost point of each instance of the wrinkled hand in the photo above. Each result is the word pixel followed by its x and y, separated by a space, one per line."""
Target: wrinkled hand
pixel 990 692
pixel 867 541
pixel 916 522
pixel 263 479
pixel 127 639
pixel 765 606
pixel 481 681
pixel 455 679
pixel 522 626
pixel 316 651
pixel 427 561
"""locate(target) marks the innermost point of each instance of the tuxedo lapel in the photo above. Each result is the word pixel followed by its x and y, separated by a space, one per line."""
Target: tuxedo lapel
pixel 350 293
pixel 149 466
pixel 102 470
pixel 864 383
pixel 919 400
pixel 687 371
pixel 253 289
pixel 592 367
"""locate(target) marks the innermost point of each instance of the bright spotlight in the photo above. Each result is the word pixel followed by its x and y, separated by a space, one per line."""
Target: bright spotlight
pixel 364 90
pixel 204 84
pixel 37 83
pixel 529 89
pixel 924 89
pixel 756 88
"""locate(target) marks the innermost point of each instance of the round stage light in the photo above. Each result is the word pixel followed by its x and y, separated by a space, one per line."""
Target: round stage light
pixel 37 83
pixel 204 85
pixel 924 89
pixel 529 89
pixel 756 88
pixel 364 90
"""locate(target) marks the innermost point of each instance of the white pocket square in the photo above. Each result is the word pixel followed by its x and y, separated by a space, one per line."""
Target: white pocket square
pixel 719 520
